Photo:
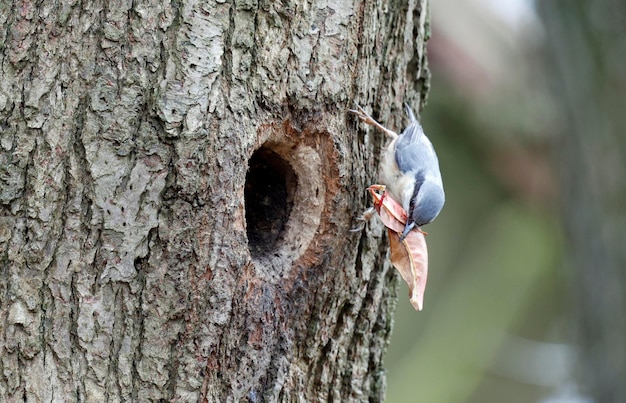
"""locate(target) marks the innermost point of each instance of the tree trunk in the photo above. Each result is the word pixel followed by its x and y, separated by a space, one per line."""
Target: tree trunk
pixel 589 82
pixel 177 185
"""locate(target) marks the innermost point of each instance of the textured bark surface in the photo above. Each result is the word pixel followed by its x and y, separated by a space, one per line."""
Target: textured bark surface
pixel 126 133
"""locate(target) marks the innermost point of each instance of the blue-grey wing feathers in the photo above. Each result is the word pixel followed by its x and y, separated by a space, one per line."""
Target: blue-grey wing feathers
pixel 416 157
pixel 414 152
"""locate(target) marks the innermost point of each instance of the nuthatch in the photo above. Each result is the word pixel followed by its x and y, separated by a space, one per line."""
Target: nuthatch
pixel 410 171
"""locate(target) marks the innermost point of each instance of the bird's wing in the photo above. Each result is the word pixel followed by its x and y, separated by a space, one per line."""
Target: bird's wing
pixel 414 152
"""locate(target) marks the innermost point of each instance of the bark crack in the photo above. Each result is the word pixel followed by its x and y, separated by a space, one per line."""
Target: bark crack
pixel 172 370
pixel 140 265
pixel 227 55
pixel 74 340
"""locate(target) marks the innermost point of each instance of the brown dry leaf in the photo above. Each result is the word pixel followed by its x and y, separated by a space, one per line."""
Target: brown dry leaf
pixel 409 257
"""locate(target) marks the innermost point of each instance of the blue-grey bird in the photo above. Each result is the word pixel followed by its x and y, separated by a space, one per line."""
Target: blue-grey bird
pixel 410 172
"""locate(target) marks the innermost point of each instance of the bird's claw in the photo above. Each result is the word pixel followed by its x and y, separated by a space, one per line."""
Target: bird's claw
pixel 363 218
pixel 367 214
pixel 362 115
pixel 368 120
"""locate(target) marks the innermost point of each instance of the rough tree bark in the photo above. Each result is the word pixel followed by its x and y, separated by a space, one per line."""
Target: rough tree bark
pixel 177 185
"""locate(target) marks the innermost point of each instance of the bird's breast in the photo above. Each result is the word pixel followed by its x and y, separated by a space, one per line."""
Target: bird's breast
pixel 396 181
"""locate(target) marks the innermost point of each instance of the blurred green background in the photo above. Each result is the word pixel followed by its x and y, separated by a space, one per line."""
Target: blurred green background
pixel 525 299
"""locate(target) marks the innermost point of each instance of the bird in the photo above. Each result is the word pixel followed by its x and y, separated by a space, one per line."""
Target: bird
pixel 410 171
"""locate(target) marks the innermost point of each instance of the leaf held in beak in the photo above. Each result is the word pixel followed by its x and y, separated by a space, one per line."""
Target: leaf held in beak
pixel 409 257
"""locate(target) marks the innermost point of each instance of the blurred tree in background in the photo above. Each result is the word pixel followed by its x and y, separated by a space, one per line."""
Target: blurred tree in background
pixel 525 300
pixel 586 55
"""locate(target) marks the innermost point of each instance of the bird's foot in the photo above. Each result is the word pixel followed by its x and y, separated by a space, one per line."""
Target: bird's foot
pixel 363 218
pixel 368 120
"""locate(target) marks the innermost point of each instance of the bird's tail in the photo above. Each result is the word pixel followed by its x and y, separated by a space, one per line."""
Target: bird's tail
pixel 410 113
pixel 414 130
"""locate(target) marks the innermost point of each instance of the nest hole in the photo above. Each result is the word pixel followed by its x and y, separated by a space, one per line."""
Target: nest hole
pixel 270 189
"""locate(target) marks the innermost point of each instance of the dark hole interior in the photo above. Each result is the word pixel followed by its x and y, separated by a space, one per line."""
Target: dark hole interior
pixel 269 193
